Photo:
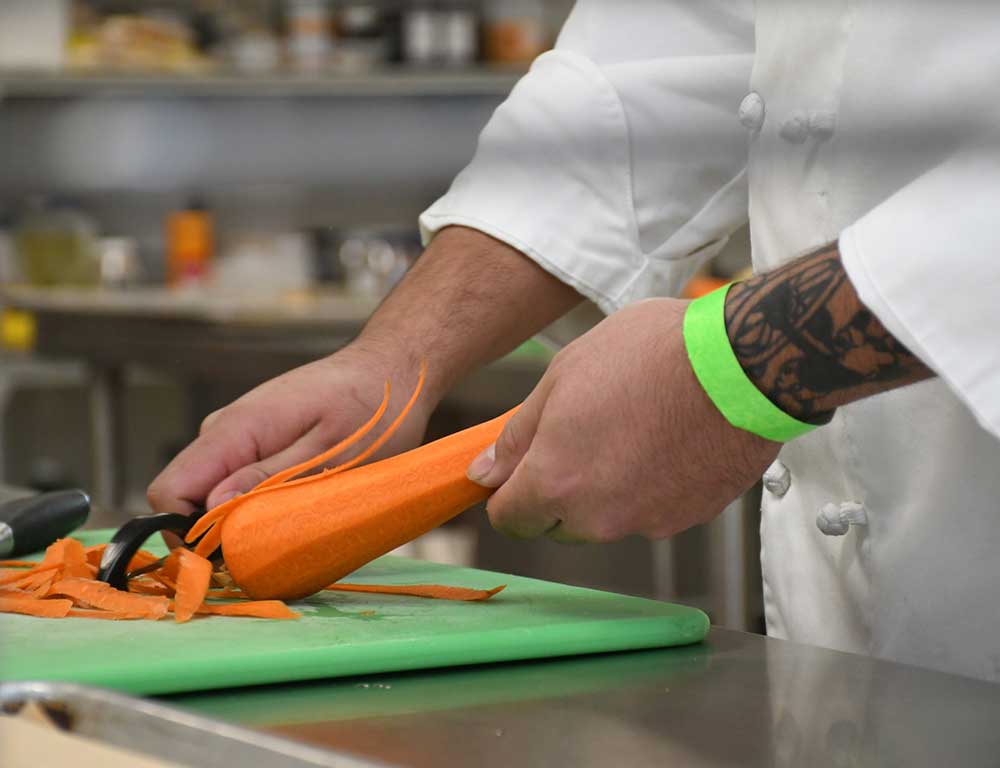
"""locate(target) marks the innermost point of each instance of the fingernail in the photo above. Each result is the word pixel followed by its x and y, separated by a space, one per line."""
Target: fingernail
pixel 482 464
pixel 227 497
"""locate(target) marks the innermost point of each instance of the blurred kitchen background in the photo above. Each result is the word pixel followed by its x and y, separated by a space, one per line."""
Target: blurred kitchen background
pixel 197 195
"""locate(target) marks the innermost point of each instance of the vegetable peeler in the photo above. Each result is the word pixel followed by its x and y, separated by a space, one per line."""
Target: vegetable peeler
pixel 31 524
pixel 129 539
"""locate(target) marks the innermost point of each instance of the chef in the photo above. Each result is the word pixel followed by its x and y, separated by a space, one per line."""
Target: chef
pixel 858 371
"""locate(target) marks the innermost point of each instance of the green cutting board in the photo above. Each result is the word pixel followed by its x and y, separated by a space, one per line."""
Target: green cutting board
pixel 343 634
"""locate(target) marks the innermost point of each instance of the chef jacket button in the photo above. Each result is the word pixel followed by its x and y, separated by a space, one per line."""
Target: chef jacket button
pixel 777 479
pixel 796 128
pixel 822 125
pixel 752 111
pixel 837 519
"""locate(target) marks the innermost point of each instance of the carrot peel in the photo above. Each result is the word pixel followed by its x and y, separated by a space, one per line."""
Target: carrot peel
pixel 434 591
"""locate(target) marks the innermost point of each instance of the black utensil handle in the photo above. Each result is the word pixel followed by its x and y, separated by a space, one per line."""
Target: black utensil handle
pixel 129 539
pixel 31 524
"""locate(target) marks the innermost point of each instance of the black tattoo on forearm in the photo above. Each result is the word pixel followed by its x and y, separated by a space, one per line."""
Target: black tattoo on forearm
pixel 809 344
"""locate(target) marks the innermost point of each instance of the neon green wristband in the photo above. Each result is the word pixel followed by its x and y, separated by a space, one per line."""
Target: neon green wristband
pixel 722 377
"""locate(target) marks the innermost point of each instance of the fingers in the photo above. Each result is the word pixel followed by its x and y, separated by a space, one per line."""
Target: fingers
pixel 220 454
pixel 494 466
pixel 517 510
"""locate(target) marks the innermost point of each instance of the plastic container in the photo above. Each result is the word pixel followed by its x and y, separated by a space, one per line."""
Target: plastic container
pixel 56 245
pixel 514 31
pixel 309 35
pixel 33 33
pixel 190 245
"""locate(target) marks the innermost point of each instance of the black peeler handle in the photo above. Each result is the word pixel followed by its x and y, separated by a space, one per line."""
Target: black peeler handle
pixel 129 539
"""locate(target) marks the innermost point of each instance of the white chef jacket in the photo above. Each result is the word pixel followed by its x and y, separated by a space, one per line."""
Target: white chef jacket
pixel 630 153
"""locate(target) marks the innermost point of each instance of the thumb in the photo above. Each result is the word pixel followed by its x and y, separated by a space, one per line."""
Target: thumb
pixel 494 466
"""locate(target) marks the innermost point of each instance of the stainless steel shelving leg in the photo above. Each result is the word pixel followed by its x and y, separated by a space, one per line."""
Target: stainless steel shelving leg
pixel 107 407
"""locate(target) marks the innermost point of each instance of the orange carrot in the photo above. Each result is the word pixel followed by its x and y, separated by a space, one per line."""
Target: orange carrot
pixel 18 564
pixel 31 606
pixel 193 576
pixel 435 591
pixel 218 512
pixel 291 541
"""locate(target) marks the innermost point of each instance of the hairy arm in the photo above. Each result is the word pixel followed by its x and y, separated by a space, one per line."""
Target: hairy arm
pixel 809 344
pixel 468 300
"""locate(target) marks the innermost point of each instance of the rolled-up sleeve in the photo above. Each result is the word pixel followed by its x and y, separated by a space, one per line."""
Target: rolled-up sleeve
pixel 618 162
pixel 927 263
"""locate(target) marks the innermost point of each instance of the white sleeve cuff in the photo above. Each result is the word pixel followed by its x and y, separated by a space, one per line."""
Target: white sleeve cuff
pixel 927 263
pixel 589 171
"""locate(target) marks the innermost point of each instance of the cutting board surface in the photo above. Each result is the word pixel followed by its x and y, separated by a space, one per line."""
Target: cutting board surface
pixel 344 634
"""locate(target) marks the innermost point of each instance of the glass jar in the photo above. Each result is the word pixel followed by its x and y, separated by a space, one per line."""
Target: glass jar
pixel 57 245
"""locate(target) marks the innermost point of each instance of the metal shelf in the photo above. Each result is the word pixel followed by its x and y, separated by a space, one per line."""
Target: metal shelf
pixel 482 81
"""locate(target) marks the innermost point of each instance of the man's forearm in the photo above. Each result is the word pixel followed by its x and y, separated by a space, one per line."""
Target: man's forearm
pixel 809 344
pixel 468 300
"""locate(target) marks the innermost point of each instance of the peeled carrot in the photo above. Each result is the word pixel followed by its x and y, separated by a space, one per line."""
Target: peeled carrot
pixel 293 541
pixel 435 591
pixel 290 539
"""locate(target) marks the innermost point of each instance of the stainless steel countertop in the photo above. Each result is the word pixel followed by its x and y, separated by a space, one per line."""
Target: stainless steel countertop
pixel 737 699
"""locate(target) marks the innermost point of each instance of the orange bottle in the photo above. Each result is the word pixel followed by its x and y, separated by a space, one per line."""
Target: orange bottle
pixel 190 245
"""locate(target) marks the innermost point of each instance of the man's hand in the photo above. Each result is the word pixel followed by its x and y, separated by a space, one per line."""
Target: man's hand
pixel 469 300
pixel 283 422
pixel 618 439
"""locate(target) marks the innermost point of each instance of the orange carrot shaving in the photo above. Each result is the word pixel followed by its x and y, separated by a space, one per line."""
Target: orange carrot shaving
pixel 18 564
pixel 142 587
pixel 226 593
pixel 435 591
pixel 31 606
pixel 193 576
pixel 261 609
pixel 94 613
pixel 18 576
pixel 97 594
pixel 371 449
pixel 166 581
pixel 209 542
pixel 292 472
pixel 69 556
pixel 95 553
pixel 44 585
